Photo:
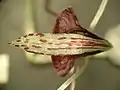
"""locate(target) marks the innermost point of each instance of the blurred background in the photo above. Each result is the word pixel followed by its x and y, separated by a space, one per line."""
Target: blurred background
pixel 23 71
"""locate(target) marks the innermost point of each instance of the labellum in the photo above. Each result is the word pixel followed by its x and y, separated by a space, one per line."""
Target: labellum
pixel 67 42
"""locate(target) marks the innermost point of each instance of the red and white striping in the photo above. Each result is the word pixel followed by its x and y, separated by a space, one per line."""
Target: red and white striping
pixel 59 44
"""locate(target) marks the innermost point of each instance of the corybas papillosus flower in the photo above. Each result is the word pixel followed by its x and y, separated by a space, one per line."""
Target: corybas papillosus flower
pixel 68 41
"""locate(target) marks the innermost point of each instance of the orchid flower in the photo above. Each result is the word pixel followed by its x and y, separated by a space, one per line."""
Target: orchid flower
pixel 68 41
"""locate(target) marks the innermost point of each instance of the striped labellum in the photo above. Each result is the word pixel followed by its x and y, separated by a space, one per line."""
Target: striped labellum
pixel 67 42
pixel 60 44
